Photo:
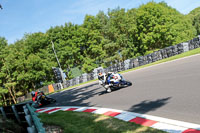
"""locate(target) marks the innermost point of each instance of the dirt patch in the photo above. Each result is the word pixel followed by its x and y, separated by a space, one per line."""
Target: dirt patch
pixel 53 129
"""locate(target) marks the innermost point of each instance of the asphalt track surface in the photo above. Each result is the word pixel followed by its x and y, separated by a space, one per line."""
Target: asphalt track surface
pixel 170 90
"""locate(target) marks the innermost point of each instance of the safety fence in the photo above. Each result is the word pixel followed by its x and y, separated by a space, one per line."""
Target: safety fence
pixel 34 124
pixel 24 115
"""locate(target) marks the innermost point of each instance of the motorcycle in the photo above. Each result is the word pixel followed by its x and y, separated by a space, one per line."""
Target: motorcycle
pixel 42 100
pixel 113 81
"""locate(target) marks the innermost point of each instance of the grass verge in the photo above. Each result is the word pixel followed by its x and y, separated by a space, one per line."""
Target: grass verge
pixel 83 122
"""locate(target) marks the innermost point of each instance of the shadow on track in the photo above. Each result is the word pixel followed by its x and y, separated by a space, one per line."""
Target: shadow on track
pixel 147 105
pixel 77 96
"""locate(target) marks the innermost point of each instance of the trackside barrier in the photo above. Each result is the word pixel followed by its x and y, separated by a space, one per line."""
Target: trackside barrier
pixel 14 113
pixel 35 126
pixel 3 112
pixel 24 115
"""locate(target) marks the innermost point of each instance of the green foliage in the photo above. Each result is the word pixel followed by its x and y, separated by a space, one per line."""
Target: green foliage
pixel 194 15
pixel 159 25
pixel 3 91
pixel 88 65
pixel 119 42
pixel 3 42
pixel 76 72
pixel 35 42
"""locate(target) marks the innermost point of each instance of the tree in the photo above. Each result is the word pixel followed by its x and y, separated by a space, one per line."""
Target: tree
pixel 93 46
pixel 88 65
pixel 159 26
pixel 3 90
pixel 6 73
pixel 24 66
pixel 194 15
pixel 67 40
pixel 3 42
pixel 117 31
pixel 35 42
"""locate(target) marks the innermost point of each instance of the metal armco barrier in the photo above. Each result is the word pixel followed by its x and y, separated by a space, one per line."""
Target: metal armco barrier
pixel 35 126
pixel 3 113
pixel 15 113
pixel 24 115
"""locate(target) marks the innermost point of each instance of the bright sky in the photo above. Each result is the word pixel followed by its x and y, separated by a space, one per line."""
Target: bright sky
pixel 28 16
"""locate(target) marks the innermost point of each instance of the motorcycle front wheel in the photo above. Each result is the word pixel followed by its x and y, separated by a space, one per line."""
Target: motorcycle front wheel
pixel 51 100
pixel 128 83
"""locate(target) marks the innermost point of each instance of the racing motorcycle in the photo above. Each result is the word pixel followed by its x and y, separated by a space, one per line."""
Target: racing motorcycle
pixel 112 81
pixel 42 100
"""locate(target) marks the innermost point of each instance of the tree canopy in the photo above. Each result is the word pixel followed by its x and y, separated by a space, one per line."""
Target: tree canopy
pixel 194 15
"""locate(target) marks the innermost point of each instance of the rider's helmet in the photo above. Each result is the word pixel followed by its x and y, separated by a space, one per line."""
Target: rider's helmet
pixel 100 75
pixel 33 93
pixel 40 92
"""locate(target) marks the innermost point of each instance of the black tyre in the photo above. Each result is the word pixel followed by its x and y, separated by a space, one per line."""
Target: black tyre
pixel 51 100
pixel 128 83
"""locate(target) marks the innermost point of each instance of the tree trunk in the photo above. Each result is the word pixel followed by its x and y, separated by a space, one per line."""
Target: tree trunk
pixel 11 94
pixel 14 92
pixel 33 86
pixel 10 100
pixel 4 100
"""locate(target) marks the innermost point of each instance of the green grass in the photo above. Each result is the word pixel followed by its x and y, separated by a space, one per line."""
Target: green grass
pixel 83 122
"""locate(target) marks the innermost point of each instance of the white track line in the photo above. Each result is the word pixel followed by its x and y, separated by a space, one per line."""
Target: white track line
pixel 169 128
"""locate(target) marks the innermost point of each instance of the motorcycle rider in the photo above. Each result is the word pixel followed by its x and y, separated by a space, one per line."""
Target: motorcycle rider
pixel 109 78
pixel 36 98
pixel 102 77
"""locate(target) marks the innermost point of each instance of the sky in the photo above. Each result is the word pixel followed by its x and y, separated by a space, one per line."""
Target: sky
pixel 29 16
